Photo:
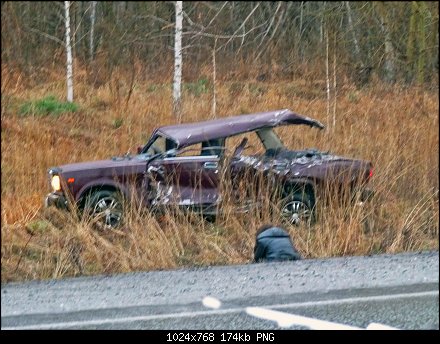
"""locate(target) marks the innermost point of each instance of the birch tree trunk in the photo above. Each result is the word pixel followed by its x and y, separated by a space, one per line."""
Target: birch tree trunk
pixel 214 91
pixel 327 75
pixel 92 28
pixel 321 26
pixel 68 53
pixel 334 84
pixel 178 62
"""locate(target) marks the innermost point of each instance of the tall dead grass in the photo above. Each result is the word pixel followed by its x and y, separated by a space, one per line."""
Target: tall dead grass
pixel 394 127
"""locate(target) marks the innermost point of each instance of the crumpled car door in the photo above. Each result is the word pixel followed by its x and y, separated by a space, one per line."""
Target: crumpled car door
pixel 184 181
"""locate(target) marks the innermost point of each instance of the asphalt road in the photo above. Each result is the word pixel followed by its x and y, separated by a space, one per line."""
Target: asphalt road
pixel 395 290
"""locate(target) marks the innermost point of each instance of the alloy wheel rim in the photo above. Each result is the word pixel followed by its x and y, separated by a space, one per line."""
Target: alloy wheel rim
pixel 108 211
pixel 296 212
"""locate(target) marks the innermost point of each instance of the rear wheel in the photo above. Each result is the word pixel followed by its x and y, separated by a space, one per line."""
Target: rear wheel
pixel 297 209
pixel 105 208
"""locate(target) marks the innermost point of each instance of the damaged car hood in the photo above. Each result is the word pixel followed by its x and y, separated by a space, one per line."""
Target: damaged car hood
pixel 115 162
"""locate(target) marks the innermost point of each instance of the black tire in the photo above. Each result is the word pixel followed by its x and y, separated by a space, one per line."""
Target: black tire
pixel 105 208
pixel 298 209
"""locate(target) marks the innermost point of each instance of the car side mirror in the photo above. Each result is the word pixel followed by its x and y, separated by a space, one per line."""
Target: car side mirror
pixel 139 149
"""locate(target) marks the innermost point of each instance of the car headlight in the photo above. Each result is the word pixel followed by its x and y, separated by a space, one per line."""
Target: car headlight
pixel 56 183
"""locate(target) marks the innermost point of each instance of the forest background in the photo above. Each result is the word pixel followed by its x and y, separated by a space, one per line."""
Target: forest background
pixel 367 70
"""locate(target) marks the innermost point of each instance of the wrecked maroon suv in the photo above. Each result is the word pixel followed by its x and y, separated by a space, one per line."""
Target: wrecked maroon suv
pixel 185 165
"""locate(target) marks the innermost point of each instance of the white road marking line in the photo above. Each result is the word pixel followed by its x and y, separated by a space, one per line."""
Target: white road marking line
pixel 377 326
pixel 287 320
pixel 218 312
pixel 211 302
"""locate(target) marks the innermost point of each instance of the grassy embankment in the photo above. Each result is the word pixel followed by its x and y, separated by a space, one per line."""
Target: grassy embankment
pixel 394 127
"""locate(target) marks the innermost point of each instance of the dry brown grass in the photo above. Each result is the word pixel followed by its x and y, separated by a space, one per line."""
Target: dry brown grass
pixel 394 127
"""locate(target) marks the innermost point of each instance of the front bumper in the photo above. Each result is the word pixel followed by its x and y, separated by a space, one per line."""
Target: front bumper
pixel 55 199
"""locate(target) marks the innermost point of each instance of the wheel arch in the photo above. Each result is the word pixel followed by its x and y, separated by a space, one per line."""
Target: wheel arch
pixel 299 186
pixel 91 189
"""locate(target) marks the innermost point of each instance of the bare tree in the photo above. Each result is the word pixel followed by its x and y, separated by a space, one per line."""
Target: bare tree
pixel 327 75
pixel 92 27
pixel 416 44
pixel 353 32
pixel 279 34
pixel 178 61
pixel 68 53
pixel 334 83
pixel 422 43
pixel 390 65
pixel 214 77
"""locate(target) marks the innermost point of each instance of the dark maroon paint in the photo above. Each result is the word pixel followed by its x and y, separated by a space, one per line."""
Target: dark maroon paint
pixel 193 181
pixel 190 133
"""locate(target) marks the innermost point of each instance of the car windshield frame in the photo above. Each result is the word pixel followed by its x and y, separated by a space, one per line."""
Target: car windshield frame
pixel 153 139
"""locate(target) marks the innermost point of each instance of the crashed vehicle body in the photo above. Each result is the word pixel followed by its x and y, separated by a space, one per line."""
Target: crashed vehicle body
pixel 184 165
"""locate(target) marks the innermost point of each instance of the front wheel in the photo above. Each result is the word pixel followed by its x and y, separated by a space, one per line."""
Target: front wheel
pixel 105 208
pixel 297 209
